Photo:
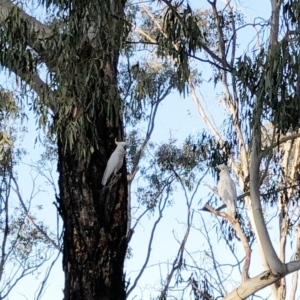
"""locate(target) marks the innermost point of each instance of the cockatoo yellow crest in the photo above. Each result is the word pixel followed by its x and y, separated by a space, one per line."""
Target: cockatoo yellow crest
pixel 227 190
pixel 115 162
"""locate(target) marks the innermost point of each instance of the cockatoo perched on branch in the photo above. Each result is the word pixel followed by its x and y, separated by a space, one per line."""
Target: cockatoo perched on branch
pixel 115 162
pixel 227 190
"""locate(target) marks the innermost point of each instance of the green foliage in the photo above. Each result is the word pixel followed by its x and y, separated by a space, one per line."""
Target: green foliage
pixel 178 37
pixel 291 12
pixel 207 22
pixel 79 98
pixel 143 86
pixel 182 38
pixel 200 287
pixel 272 77
pixel 185 162
pixel 8 106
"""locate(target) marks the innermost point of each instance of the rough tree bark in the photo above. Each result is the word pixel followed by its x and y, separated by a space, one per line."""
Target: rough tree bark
pixel 95 229
pixel 95 217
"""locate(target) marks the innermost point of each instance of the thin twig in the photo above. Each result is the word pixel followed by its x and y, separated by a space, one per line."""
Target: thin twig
pixel 38 228
pixel 237 227
pixel 161 208
pixel 44 281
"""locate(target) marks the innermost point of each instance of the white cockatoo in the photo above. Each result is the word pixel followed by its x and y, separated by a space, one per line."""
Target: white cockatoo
pixel 115 162
pixel 227 190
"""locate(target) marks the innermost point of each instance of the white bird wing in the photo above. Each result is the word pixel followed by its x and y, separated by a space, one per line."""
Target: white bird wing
pixel 120 159
pixel 114 164
pixel 227 191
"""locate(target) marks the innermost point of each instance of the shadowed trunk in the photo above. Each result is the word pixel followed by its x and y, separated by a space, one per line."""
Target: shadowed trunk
pixel 95 217
pixel 95 229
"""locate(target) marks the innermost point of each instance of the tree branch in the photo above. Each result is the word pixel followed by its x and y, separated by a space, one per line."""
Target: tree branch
pixel 40 30
pixel 259 282
pixel 37 84
pixel 30 219
pixel 275 4
pixel 281 141
pixel 160 215
pixel 240 197
pixel 204 117
pixel 177 263
pixel 261 231
pixel 223 63
pixel 295 275
pixel 237 227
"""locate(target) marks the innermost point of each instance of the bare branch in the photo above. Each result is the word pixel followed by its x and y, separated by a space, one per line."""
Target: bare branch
pixel 259 282
pixel 215 264
pixel 148 135
pixel 283 203
pixel 219 30
pixel 246 194
pixel 177 263
pixel 4 254
pixel 202 113
pixel 30 219
pixel 276 144
pixel 44 281
pixel 237 227
pixel 160 215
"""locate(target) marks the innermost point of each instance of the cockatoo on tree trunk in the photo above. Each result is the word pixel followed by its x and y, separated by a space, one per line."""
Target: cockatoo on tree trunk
pixel 227 190
pixel 115 162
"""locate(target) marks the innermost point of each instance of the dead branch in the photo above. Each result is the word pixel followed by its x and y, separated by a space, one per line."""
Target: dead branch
pixel 237 227
pixel 177 263
pixel 162 206
pixel 30 219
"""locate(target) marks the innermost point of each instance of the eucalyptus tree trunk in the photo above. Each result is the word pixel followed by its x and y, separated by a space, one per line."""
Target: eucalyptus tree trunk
pixel 95 217
pixel 95 229
pixel 80 49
